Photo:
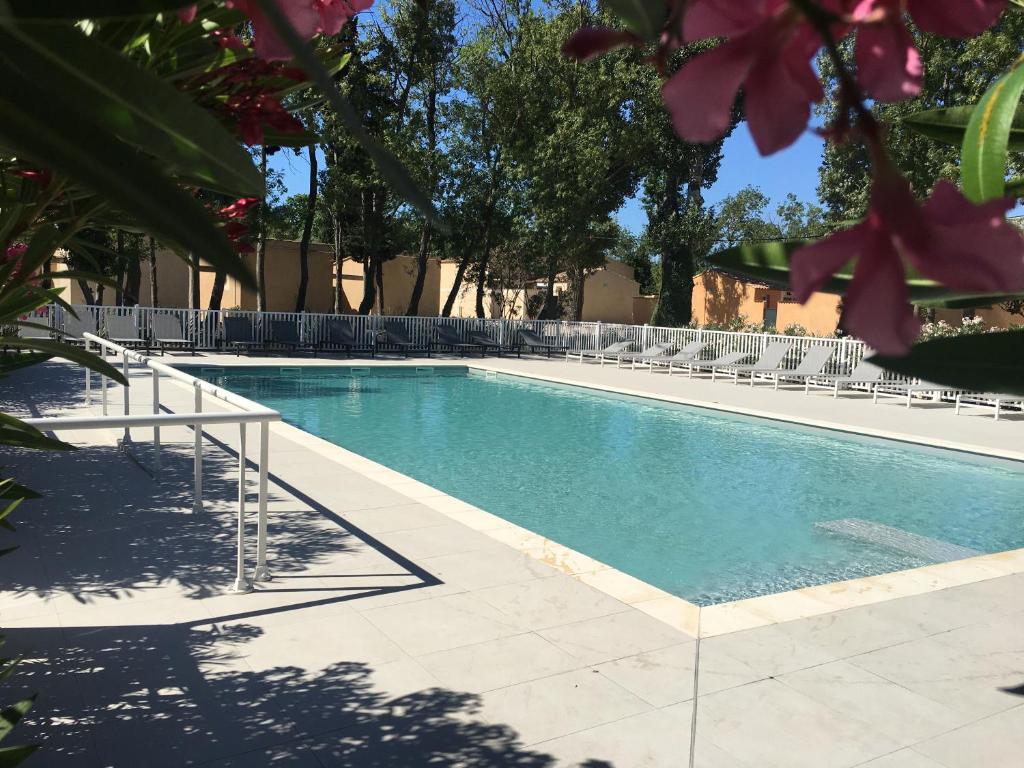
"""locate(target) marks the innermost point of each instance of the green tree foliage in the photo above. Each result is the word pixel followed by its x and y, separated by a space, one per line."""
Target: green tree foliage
pixel 957 73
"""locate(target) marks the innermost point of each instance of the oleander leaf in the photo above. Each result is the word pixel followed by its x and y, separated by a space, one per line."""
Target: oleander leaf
pixel 948 125
pixel 986 143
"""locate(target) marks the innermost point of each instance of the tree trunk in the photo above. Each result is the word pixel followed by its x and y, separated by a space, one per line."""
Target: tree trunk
pixel 193 281
pixel 485 254
pixel 379 278
pixel 580 280
pixel 341 305
pixel 220 278
pixel 550 309
pixel 88 295
pixel 369 289
pixel 261 240
pixel 421 258
pixel 119 276
pixel 132 282
pixel 154 293
pixel 370 252
pixel 307 232
pixel 453 294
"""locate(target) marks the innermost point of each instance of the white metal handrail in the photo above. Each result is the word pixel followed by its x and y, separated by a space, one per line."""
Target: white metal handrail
pixel 244 412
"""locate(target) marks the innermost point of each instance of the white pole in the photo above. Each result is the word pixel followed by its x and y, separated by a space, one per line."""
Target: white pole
pixel 124 368
pixel 197 502
pixel 242 584
pixel 262 571
pixel 88 377
pixel 156 430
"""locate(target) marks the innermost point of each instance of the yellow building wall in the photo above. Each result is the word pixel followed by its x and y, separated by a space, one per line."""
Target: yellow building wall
pixel 643 309
pixel 608 295
pixel 820 315
pixel 719 299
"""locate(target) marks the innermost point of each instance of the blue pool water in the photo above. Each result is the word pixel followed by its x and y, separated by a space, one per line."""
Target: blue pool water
pixel 707 506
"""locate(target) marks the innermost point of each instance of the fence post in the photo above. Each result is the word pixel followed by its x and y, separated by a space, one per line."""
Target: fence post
pixel 262 572
pixel 242 584
pixel 597 334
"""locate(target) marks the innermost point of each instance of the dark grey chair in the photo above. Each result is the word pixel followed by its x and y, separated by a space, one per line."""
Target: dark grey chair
pixel 238 334
pixel 396 337
pixel 342 336
pixel 448 338
pixel 530 340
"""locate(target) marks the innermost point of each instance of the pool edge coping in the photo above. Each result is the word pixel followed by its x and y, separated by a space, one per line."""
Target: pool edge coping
pixel 675 611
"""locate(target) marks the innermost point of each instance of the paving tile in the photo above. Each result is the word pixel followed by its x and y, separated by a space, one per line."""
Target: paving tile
pixel 968 683
pixel 657 739
pixel 500 566
pixel 995 742
pixel 550 602
pixel 498 663
pixel 400 518
pixel 904 758
pixel 613 636
pixel 766 651
pixel 661 678
pixel 852 632
pixel 441 623
pixel 297 755
pixel 766 724
pixel 901 715
pixel 559 705
pixel 445 539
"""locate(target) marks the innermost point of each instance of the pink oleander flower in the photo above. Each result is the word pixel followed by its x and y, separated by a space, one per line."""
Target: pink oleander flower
pixel 768 51
pixel 15 252
pixel 966 247
pixel 307 17
pixel 188 13
pixel 588 42
pixel 889 66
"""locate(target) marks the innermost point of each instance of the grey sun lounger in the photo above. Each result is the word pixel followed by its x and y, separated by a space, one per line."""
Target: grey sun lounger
pixel 661 349
pixel 612 350
pixel 238 334
pixel 987 399
pixel 685 355
pixel 812 365
pixel 342 336
pixel 396 336
pixel 74 327
pixel 487 342
pixel 723 362
pixel 769 362
pixel 903 389
pixel 530 340
pixel 167 333
pixel 864 374
pixel 284 335
pixel 121 329
pixel 448 338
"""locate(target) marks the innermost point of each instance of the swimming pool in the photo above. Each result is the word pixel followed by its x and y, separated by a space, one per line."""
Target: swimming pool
pixel 708 506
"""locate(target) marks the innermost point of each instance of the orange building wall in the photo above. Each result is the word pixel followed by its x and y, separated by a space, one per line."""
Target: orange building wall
pixel 719 298
pixel 820 315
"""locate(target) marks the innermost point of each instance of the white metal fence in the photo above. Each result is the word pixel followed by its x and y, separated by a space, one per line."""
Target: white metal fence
pixel 205 329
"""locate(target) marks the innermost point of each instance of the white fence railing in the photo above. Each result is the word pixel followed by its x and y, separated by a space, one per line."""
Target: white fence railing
pixel 243 412
pixel 204 328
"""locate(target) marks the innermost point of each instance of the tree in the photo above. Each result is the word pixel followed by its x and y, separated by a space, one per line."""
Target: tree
pixel 676 174
pixel 745 217
pixel 957 72
pixel 307 231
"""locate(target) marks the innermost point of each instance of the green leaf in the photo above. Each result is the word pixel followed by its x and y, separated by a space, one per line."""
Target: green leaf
pixel 988 362
pixel 769 263
pixel 948 125
pixel 387 164
pixel 50 10
pixel 134 104
pixel 984 152
pixel 18 433
pixel 14 756
pixel 68 352
pixel 644 17
pixel 36 126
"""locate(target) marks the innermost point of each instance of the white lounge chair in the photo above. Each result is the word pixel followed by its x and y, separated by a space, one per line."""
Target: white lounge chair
pixel 864 374
pixel 121 329
pixel 612 350
pixel 768 362
pixel 720 363
pixel 904 389
pixel 167 333
pixel 660 349
pixel 986 399
pixel 813 364
pixel 74 327
pixel 686 354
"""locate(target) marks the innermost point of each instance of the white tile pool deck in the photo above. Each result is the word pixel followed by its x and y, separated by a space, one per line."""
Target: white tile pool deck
pixel 403 629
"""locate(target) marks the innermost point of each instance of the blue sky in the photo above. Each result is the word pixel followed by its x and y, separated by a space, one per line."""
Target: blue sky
pixel 792 170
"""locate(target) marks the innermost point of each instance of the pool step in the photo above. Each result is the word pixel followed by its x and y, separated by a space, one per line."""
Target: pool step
pixel 293 371
pixel 424 369
pixel 359 371
pixel 869 532
pixel 211 372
